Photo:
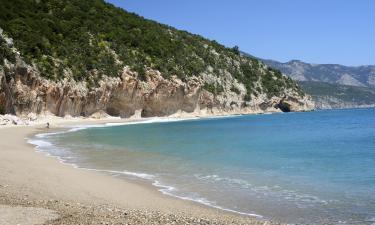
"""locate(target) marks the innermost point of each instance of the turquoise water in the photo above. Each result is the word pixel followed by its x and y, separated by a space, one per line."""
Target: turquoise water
pixel 316 167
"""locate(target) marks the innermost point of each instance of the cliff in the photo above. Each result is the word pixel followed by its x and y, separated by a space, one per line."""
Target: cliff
pixel 24 91
pixel 71 58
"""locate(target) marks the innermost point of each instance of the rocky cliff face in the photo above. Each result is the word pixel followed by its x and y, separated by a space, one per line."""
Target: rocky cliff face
pixel 24 91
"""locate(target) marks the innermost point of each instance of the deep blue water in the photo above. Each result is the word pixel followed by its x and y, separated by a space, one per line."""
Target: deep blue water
pixel 314 167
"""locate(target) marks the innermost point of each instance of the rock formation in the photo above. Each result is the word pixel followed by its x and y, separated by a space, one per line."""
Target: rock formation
pixel 24 91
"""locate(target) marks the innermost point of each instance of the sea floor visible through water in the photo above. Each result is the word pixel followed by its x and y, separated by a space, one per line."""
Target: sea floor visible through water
pixel 313 167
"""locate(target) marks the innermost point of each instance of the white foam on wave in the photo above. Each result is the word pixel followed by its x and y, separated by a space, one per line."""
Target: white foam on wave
pixel 68 129
pixel 144 176
pixel 43 135
pixel 167 190
pixel 299 199
pixel 39 143
pixel 164 189
pixel 372 221
pixel 153 120
pixel 43 146
pixel 169 120
pixel 40 146
pixel 74 128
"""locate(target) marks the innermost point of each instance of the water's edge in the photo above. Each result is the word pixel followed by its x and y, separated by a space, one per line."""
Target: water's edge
pixel 42 146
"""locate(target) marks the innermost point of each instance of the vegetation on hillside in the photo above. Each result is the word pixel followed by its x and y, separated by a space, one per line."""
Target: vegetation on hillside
pixel 87 39
pixel 6 51
pixel 345 93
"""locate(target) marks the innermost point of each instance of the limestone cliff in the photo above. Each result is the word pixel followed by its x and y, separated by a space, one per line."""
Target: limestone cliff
pixel 79 57
pixel 24 91
pixel 199 77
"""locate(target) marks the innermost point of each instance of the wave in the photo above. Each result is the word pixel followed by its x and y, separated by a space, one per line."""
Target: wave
pixel 75 128
pixel 273 191
pixel 39 143
pixel 170 190
pixel 167 190
pixel 144 176
pixel 153 120
pixel 45 147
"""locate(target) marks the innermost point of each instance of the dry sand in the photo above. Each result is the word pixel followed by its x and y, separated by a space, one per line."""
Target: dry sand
pixel 36 189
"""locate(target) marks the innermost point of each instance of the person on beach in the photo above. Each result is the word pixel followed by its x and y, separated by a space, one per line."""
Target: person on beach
pixel 47 125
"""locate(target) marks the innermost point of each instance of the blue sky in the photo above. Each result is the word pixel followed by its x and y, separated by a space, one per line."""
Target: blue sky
pixel 316 31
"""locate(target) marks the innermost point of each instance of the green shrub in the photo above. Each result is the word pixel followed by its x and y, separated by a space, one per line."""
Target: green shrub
pixel 236 50
pixel 210 88
pixel 272 86
pixel 6 52
pixel 91 35
pixel 247 98
pixel 219 89
pixel 213 88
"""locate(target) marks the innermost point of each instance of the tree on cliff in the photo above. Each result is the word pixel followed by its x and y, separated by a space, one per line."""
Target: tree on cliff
pixel 92 38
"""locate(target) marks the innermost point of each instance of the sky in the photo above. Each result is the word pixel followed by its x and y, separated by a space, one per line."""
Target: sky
pixel 315 31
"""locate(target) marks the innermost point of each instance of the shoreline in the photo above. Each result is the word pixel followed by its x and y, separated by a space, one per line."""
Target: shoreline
pixel 89 187
pixel 147 179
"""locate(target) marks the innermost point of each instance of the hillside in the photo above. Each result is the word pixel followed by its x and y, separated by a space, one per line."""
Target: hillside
pixel 332 85
pixel 362 76
pixel 78 57
pixel 327 96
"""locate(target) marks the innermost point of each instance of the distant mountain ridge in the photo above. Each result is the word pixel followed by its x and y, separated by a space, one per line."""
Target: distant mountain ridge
pixel 331 96
pixel 331 85
pixel 362 76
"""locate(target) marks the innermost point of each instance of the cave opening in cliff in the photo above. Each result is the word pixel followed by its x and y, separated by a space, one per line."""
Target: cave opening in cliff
pixel 143 113
pixel 283 106
pixel 112 111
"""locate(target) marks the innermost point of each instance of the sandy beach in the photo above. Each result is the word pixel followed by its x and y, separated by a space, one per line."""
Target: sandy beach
pixel 37 189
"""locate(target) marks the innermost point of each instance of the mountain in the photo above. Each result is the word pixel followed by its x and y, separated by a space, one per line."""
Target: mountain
pixel 333 96
pixel 362 76
pixel 80 57
pixel 332 85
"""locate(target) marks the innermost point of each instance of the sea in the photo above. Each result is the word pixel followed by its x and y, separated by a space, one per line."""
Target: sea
pixel 298 168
